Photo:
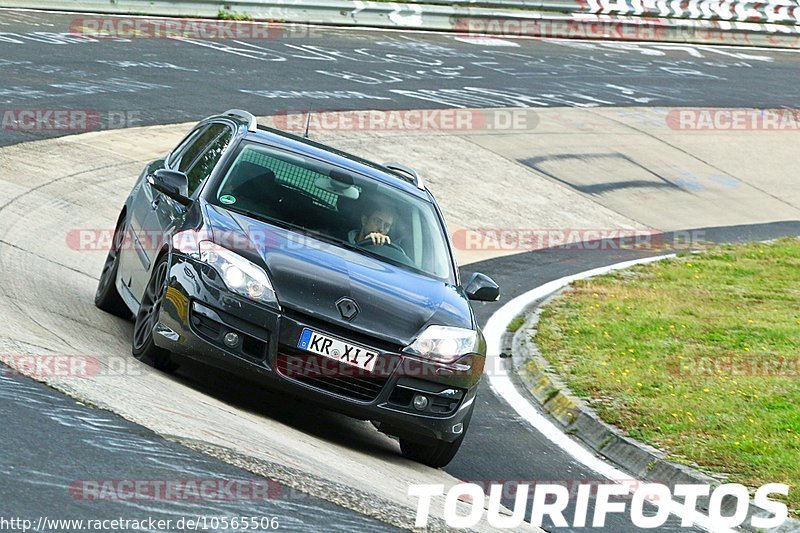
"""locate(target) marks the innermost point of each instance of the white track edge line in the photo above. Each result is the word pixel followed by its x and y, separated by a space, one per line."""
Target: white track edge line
pixel 503 387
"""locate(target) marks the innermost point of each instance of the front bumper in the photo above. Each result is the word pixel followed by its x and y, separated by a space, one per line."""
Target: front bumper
pixel 198 311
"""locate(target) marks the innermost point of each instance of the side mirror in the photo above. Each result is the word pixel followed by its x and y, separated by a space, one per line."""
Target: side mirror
pixel 172 183
pixel 482 288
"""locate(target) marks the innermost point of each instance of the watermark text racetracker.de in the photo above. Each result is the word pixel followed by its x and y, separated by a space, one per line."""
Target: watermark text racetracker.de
pixel 735 366
pixel 603 26
pixel 464 504
pixel 722 119
pixel 145 523
pixel 528 239
pixel 458 119
pixel 32 120
pixel 47 366
pixel 585 28
pixel 478 239
pixel 187 28
pixel 211 489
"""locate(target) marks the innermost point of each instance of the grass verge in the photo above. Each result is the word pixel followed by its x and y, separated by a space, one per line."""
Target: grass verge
pixel 697 356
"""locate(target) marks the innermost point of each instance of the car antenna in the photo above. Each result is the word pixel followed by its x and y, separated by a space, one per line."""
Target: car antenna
pixel 308 122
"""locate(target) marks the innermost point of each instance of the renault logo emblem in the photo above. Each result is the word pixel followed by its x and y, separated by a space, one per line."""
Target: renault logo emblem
pixel 348 308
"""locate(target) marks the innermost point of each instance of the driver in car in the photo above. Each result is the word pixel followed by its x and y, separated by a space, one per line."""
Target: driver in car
pixel 376 222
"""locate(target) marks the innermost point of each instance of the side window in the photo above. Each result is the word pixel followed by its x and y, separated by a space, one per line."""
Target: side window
pixel 197 146
pixel 177 155
pixel 215 139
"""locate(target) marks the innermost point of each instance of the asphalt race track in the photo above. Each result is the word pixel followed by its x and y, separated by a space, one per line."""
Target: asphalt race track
pixel 78 444
pixel 131 83
pixel 161 81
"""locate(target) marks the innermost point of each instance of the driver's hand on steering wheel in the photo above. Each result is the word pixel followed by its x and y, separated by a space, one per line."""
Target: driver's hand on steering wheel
pixel 378 238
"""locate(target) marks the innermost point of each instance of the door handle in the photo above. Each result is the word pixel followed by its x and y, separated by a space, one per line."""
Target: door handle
pixel 154 204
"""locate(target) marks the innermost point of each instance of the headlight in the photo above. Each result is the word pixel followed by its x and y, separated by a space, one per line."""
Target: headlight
pixel 444 343
pixel 240 275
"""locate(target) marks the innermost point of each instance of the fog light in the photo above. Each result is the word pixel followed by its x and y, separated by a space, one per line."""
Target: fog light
pixel 231 339
pixel 420 402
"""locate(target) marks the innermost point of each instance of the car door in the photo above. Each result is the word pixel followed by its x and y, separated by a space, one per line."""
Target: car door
pixel 197 162
pixel 134 256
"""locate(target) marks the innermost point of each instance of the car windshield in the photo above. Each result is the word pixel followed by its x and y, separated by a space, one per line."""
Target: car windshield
pixel 326 200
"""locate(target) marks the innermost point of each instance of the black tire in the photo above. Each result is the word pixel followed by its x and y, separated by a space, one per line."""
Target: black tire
pixel 144 347
pixel 107 296
pixel 436 453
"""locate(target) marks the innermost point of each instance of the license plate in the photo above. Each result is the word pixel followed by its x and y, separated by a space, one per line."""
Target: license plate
pixel 339 350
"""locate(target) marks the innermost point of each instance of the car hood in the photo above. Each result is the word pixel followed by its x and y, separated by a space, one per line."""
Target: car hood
pixel 310 276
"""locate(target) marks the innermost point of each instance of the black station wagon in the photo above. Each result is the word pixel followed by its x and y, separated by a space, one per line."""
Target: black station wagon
pixel 307 269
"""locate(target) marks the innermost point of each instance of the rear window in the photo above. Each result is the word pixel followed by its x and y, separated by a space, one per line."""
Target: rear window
pixel 294 176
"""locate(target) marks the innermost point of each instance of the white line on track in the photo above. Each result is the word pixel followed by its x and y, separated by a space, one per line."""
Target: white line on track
pixel 503 387
pixel 485 41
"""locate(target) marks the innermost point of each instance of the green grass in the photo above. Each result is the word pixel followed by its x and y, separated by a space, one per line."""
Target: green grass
pixel 516 323
pixel 224 14
pixel 662 351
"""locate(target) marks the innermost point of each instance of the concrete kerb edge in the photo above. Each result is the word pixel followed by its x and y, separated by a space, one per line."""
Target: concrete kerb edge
pixel 538 381
pixel 325 489
pixel 307 483
pixel 304 481
pixel 297 479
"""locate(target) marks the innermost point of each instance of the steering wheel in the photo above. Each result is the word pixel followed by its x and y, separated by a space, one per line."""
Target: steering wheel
pixel 388 250
pixel 370 242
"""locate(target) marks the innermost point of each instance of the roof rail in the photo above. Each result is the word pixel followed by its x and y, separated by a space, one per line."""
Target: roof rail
pixel 248 117
pixel 399 167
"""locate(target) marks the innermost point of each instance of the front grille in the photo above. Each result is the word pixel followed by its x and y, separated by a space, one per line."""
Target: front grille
pixel 329 375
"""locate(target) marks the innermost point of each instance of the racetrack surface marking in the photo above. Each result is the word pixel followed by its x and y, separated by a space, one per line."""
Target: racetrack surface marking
pixel 502 385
